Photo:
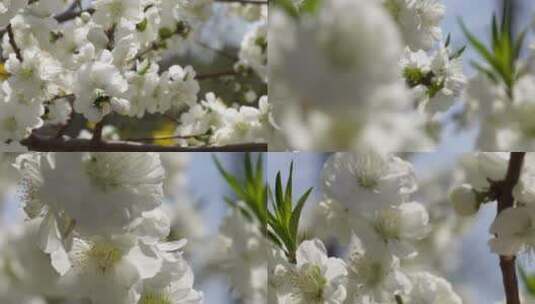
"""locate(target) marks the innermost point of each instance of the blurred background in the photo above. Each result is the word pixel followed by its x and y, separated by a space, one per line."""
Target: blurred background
pixel 477 15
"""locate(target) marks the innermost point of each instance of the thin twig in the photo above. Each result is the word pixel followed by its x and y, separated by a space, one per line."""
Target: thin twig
pixel 70 15
pixel 145 139
pixel 216 75
pixel 504 193
pixel 217 51
pixel 13 43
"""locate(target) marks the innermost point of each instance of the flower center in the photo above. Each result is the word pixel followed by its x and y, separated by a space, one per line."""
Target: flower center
pixel 116 9
pixel 310 283
pixel 103 173
pixel 368 171
pixel 370 273
pixel 388 224
pixel 105 256
pixel 154 298
pixel 10 124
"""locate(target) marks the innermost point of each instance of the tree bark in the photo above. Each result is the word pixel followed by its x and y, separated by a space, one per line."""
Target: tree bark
pixel 506 200
pixel 35 143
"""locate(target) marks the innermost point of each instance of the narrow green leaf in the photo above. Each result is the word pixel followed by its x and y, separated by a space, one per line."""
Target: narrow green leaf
pixel 278 192
pixel 289 182
pixel 485 71
pixel 296 214
pixel 231 180
pixel 458 53
pixel 519 43
pixel 494 32
pixel 260 170
pixel 448 40
pixel 248 167
pixel 480 47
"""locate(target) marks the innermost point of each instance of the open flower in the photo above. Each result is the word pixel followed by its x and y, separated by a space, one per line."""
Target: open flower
pixel 315 278
pixel 367 181
pixel 101 193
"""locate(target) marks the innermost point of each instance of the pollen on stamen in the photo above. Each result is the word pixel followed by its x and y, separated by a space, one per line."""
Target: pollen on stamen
pixel 154 298
pixel 103 256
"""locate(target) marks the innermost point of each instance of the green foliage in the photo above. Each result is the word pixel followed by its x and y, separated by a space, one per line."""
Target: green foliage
pixel 305 7
pixel 288 6
pixel 309 6
pixel 284 219
pixel 252 191
pixel 280 225
pixel 528 280
pixel 500 59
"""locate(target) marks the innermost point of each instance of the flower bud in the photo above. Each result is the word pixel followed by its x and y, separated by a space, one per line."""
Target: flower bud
pixel 464 200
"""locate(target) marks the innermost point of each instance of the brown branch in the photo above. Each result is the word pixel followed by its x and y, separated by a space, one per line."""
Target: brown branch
pixel 13 43
pixel 71 14
pixel 221 52
pixel 504 193
pixel 97 132
pixel 216 75
pixel 171 137
pixel 40 144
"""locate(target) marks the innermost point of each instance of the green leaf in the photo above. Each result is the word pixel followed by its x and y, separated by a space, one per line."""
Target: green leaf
pixel 288 6
pixel 248 167
pixel 529 281
pixel 310 6
pixel 252 191
pixel 458 53
pixel 278 192
pixel 485 71
pixel 296 214
pixel 479 46
pixel 519 43
pixel 494 32
pixel 448 40
pixel 232 181
pixel 165 33
pixel 142 26
pixel 288 194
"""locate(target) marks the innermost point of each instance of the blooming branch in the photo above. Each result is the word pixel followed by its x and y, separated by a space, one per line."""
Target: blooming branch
pixel 506 200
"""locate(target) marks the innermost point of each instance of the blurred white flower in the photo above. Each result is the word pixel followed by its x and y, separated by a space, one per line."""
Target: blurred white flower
pixel 514 231
pixel 430 289
pixel 374 275
pixel 464 200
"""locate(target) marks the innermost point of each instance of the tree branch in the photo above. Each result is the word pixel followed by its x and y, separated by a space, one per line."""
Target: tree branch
pixel 216 75
pixel 504 192
pixel 40 144
pixel 97 133
pixel 13 43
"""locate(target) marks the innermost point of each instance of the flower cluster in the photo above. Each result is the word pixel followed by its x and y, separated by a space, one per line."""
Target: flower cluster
pixel 512 228
pixel 367 210
pixel 107 57
pixel 334 83
pixel 95 231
